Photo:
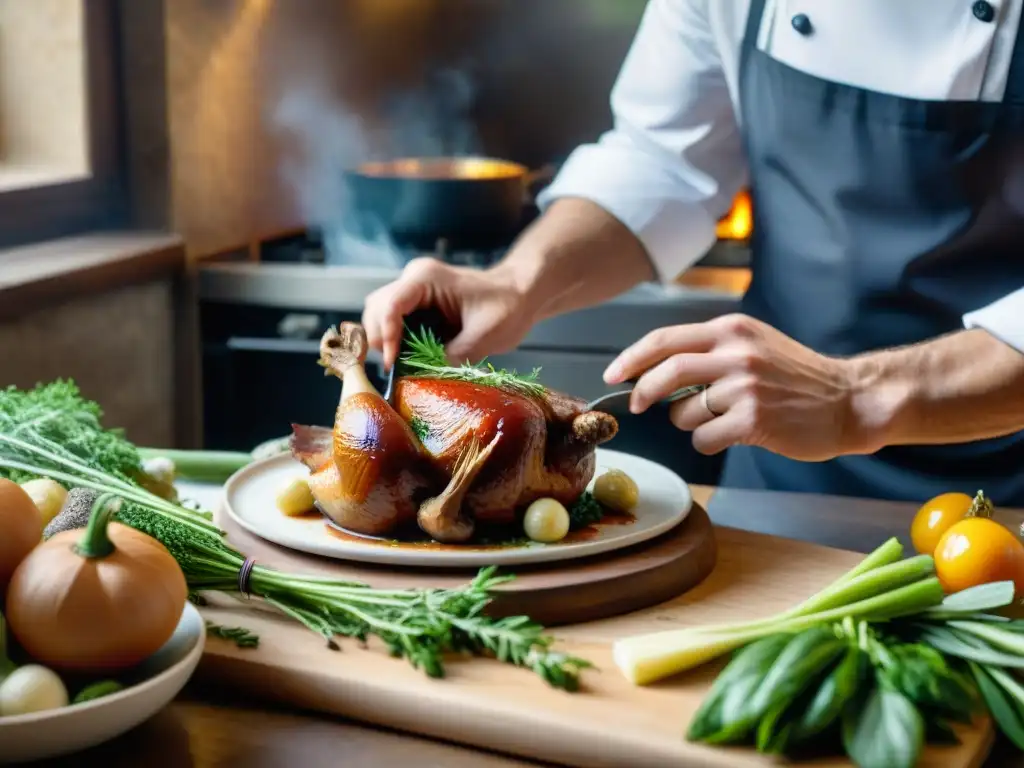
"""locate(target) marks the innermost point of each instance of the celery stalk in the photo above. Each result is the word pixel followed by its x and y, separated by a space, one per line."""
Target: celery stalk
pixel 648 658
pixel 201 466
pixel 867 584
pixel 887 553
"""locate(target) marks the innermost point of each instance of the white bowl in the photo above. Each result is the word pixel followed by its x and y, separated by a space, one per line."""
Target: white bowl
pixel 71 729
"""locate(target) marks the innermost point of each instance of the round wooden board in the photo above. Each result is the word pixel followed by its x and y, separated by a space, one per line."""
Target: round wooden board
pixel 570 593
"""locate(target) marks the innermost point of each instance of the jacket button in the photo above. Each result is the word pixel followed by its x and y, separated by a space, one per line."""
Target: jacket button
pixel 983 11
pixel 802 24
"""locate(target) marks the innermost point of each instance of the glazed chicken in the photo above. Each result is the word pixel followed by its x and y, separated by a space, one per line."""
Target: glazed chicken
pixel 447 455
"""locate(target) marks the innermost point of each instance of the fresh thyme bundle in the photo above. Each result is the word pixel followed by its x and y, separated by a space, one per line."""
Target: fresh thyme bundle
pixel 425 356
pixel 52 431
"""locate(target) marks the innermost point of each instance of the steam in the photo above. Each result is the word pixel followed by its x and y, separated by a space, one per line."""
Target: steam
pixel 327 137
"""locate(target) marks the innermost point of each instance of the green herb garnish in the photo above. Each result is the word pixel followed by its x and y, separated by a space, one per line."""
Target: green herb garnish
pixel 419 427
pixel 240 636
pixel 51 431
pixel 97 691
pixel 585 511
pixel 425 356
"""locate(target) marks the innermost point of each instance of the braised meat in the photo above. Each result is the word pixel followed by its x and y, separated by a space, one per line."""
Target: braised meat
pixel 449 454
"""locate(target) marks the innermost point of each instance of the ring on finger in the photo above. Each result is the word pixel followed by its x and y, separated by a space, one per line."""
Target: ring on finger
pixel 689 413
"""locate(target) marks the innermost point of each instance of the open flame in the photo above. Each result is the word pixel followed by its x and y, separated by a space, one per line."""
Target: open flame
pixel 739 222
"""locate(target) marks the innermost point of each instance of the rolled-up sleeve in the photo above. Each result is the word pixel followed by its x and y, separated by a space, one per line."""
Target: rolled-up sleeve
pixel 673 162
pixel 1003 318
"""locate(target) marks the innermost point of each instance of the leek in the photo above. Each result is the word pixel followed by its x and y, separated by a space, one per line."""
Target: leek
pixel 880 571
pixel 200 466
pixel 649 658
pixel 879 588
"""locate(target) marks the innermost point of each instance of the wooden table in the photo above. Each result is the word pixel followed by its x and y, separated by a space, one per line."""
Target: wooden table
pixel 210 729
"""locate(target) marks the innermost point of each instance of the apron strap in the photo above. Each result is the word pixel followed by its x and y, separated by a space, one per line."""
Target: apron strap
pixel 753 29
pixel 1014 92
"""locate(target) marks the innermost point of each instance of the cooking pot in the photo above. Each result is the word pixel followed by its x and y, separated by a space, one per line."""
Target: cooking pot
pixel 470 202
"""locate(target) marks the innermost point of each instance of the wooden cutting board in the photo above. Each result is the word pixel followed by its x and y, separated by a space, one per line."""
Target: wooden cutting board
pixel 492 706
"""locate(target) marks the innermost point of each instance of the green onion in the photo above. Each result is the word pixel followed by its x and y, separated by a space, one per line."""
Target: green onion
pixel 648 658
pixel 201 466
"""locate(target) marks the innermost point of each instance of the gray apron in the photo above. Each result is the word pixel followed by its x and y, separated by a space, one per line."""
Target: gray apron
pixel 879 222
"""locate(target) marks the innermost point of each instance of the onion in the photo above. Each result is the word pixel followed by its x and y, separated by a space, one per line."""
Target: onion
pixel 97 601
pixel 31 688
pixel 48 496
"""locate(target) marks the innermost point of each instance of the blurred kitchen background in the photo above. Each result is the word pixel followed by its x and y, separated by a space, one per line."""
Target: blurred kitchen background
pixel 177 223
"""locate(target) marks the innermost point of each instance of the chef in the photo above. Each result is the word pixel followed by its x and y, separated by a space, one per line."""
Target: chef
pixel 880 348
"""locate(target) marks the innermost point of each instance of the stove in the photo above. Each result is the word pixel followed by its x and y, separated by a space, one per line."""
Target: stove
pixel 366 244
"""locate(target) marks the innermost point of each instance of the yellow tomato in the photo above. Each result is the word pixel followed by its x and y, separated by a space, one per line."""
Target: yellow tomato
pixel 976 551
pixel 935 517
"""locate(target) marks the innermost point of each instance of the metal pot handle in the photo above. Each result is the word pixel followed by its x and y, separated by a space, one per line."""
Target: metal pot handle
pixel 531 179
pixel 542 175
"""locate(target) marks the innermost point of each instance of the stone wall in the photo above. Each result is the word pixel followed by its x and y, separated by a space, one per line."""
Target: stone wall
pixel 118 347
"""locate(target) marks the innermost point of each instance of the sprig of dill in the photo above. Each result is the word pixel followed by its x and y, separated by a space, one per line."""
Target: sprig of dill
pixel 425 356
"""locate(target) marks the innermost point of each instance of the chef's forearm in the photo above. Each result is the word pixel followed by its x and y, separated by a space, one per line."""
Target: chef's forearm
pixel 576 255
pixel 958 388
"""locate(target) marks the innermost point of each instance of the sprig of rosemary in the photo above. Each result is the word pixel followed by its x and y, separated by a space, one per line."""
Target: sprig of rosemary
pixel 426 357
pixel 240 636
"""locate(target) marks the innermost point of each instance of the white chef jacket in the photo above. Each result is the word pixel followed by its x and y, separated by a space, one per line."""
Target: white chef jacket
pixel 672 164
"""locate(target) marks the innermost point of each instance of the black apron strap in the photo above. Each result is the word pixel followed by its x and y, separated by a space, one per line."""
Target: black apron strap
pixel 1014 92
pixel 753 29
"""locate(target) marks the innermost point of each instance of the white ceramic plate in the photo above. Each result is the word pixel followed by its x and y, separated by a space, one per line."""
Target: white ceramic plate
pixel 250 495
pixel 71 729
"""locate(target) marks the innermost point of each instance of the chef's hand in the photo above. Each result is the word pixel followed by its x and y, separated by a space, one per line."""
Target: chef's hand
pixel 485 304
pixel 765 389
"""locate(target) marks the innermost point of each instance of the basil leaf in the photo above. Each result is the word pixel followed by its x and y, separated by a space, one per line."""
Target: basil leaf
pixel 734 727
pixel 993 618
pixel 991 634
pixel 775 728
pixel 922 675
pixel 954 643
pixel 886 731
pixel 803 658
pixel 1006 714
pixel 838 688
pixel 758 656
pixel 983 597
pixel 744 672
pixel 717 726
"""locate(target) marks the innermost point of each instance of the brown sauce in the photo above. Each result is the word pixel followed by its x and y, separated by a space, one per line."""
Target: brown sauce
pixel 485 540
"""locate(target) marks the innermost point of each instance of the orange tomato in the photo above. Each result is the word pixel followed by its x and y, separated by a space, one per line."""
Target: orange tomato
pixel 978 550
pixel 935 517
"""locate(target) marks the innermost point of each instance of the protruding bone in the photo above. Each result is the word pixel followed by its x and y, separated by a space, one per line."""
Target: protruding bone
pixel 342 354
pixel 442 517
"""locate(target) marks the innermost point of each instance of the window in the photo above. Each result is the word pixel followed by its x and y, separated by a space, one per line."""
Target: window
pixel 60 164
